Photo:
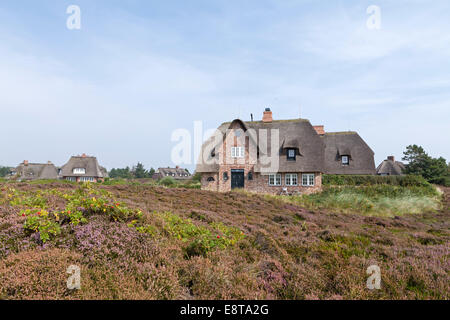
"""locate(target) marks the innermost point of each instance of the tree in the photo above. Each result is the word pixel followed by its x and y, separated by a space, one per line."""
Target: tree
pixel 124 173
pixel 434 170
pixel 4 171
pixel 139 171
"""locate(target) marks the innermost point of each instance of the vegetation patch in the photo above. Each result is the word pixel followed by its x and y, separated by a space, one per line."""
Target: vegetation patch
pixel 377 200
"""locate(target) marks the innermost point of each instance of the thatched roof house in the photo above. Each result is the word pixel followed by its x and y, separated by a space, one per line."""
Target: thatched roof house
pixel 347 153
pixel 390 167
pixel 83 169
pixel 177 173
pixel 235 157
pixel 35 171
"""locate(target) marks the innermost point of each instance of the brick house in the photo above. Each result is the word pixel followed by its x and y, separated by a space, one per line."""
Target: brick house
pixel 279 156
pixel 83 169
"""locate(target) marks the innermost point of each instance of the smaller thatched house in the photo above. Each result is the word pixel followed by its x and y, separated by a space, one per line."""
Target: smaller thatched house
pixel 390 167
pixel 177 173
pixel 83 169
pixel 27 171
pixel 347 153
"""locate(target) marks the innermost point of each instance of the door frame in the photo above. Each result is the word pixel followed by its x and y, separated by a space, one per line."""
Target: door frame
pixel 240 172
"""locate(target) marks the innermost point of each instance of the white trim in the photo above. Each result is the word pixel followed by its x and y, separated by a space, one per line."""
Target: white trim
pixel 291 179
pixel 237 152
pixel 276 178
pixel 308 179
pixel 79 171
pixel 347 158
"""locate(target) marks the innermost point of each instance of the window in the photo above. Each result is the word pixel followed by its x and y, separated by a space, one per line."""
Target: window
pixel 237 152
pixel 345 160
pixel 308 179
pixel 291 179
pixel 250 176
pixel 210 179
pixel 86 179
pixel 291 154
pixel 225 176
pixel 79 171
pixel 73 179
pixel 275 179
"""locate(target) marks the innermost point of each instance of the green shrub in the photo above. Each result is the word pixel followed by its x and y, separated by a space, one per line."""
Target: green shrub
pixel 167 182
pixel 368 180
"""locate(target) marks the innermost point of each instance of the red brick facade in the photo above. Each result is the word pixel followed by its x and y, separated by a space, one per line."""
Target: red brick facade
pixel 216 181
pixel 259 184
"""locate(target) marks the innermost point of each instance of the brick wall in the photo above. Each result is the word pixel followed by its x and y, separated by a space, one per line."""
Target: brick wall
pixel 260 183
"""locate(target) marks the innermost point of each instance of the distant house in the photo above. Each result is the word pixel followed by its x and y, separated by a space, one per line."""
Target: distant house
pixel 390 167
pixel 177 173
pixel 83 169
pixel 27 171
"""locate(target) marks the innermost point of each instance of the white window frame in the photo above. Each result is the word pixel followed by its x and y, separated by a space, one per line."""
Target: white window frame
pixel 237 152
pixel 73 179
pixel 276 178
pixel 310 179
pixel 79 171
pixel 86 179
pixel 347 162
pixel 291 179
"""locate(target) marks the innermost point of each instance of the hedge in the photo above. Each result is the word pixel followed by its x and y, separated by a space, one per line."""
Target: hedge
pixel 368 180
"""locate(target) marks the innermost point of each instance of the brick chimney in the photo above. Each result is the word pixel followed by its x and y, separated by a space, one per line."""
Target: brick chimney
pixel 391 158
pixel 267 116
pixel 83 155
pixel 25 162
pixel 320 130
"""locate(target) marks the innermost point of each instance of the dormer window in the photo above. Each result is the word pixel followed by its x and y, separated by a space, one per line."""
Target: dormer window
pixel 291 154
pixel 79 171
pixel 345 160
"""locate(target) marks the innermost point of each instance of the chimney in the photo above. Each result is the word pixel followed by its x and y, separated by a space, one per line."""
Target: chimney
pixel 251 116
pixel 49 162
pixel 267 116
pixel 25 162
pixel 83 155
pixel 177 167
pixel 391 158
pixel 320 130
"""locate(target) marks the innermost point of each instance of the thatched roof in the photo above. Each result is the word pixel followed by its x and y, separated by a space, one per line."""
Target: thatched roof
pixel 349 143
pixel 90 164
pixel 36 171
pixel 390 167
pixel 296 133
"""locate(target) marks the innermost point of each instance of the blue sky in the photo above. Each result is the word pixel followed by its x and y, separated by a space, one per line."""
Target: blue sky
pixel 138 70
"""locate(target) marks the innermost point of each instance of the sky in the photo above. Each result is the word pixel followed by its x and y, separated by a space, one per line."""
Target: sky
pixel 136 71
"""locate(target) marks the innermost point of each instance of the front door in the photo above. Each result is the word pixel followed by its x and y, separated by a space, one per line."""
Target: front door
pixel 237 179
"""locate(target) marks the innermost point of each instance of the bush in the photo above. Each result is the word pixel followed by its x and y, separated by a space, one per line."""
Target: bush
pixel 167 182
pixel 368 180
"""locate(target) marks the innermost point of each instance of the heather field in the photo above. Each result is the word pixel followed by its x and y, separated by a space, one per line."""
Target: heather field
pixel 137 241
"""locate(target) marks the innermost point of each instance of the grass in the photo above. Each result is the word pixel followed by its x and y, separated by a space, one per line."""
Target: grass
pixel 374 200
pixel 142 241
